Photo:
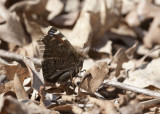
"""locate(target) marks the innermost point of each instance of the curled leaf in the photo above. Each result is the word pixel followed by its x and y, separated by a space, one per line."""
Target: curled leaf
pixel 95 76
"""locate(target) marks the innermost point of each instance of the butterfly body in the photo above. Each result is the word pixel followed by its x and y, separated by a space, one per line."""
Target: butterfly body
pixel 59 59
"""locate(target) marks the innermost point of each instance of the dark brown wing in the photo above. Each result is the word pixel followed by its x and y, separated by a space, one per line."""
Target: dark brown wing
pixel 59 57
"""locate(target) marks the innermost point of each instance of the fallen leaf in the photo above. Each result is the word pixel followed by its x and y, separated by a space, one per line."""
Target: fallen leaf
pixel 70 6
pixel 19 89
pixel 146 75
pixel 11 105
pixel 55 7
pixel 94 76
pixel 29 7
pixel 8 86
pixel 9 93
pixel 36 77
pixel 12 34
pixel 132 109
pixel 65 20
pixel 94 16
pixel 43 101
pixel 122 56
pixel 10 69
pixel 106 107
pixel 145 10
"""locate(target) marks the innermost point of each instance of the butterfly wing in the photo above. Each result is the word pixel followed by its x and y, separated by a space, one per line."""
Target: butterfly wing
pixel 59 57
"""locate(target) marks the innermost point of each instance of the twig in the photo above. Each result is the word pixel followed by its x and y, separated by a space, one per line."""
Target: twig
pixel 12 56
pixel 150 103
pixel 132 88
pixel 140 61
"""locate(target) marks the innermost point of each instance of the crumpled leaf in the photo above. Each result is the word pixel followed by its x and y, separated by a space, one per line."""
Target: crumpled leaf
pixel 130 104
pixel 70 5
pixel 10 105
pixel 9 70
pixel 43 100
pixel 36 77
pixel 152 37
pixel 29 7
pixel 12 34
pixel 55 7
pixel 146 75
pixel 8 86
pixel 131 107
pixel 65 20
pixel 97 17
pixel 9 93
pixel 69 10
pixel 122 56
pixel 106 107
pixel 143 11
pixel 94 77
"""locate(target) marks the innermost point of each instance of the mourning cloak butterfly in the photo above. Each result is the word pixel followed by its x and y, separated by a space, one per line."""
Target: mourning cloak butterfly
pixel 60 60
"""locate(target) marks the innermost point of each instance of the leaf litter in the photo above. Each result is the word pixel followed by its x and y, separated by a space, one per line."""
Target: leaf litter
pixel 118 39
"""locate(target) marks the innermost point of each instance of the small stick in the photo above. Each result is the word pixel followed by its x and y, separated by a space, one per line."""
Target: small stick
pixel 131 88
pixel 17 57
pixel 150 103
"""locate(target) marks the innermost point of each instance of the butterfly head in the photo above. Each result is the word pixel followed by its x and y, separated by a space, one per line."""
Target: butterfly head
pixel 52 31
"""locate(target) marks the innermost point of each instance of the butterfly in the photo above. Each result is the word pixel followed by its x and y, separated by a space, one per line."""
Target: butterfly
pixel 60 60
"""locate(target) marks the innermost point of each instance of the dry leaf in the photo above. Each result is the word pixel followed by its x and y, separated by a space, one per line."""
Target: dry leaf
pixel 143 11
pixel 152 37
pixel 43 101
pixel 95 76
pixel 63 108
pixel 12 34
pixel 9 93
pixel 8 86
pixel 36 77
pixel 9 70
pixel 146 75
pixel 19 89
pixel 10 105
pixel 2 20
pixel 70 5
pixel 132 109
pixel 128 5
pixel 55 7
pixel 29 7
pixel 106 107
pixel 65 20
pixel 95 19
pixel 153 53
pixel 122 56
